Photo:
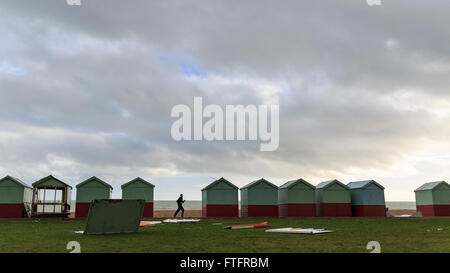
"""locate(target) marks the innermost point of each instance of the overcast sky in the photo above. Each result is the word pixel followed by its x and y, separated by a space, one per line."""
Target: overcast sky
pixel 363 90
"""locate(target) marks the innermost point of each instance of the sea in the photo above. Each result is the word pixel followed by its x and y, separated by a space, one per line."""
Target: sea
pixel 197 205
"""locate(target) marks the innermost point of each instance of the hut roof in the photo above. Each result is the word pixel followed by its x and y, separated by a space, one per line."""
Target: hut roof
pixel 37 183
pixel 292 183
pixel 137 179
pixel 94 178
pixel 430 186
pixel 363 184
pixel 15 180
pixel 219 181
pixel 254 183
pixel 328 183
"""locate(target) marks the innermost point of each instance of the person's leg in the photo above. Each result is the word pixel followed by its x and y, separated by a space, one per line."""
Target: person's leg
pixel 182 212
pixel 176 212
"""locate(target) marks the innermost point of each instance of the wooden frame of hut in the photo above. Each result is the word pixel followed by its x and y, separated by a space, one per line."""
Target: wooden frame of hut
pixel 48 205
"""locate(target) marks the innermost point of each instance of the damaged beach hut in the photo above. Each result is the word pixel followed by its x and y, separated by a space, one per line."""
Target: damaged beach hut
pixel 333 199
pixel 138 188
pixel 367 199
pixel 51 198
pixel 259 199
pixel 88 191
pixel 433 199
pixel 14 197
pixel 220 199
pixel 297 198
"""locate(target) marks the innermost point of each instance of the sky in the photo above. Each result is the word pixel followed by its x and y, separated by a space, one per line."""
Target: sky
pixel 363 91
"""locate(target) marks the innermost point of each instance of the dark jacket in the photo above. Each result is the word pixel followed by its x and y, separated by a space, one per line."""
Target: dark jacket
pixel 180 201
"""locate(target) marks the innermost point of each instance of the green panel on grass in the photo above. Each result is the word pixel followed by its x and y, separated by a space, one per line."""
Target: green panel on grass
pixel 108 216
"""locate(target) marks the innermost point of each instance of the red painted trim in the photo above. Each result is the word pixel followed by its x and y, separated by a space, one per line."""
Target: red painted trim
pixel 334 209
pixel 220 211
pixel 297 210
pixel 11 210
pixel 369 210
pixel 434 210
pixel 148 210
pixel 82 210
pixel 259 211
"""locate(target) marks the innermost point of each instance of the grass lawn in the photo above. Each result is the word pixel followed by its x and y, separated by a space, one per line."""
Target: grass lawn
pixel 351 235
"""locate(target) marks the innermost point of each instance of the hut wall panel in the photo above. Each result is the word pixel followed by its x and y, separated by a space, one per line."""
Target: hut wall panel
pixel 11 210
pixel 297 210
pixel 220 211
pixel 148 210
pixel 260 211
pixel 369 210
pixel 82 209
pixel 334 210
pixel 434 210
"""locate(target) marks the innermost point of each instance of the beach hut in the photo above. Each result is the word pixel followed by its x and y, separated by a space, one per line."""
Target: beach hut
pixel 297 198
pixel 14 196
pixel 333 199
pixel 259 199
pixel 433 199
pixel 367 199
pixel 88 191
pixel 138 188
pixel 220 199
pixel 51 198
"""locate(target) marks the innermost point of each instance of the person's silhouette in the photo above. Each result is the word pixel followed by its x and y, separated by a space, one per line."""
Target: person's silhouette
pixel 180 202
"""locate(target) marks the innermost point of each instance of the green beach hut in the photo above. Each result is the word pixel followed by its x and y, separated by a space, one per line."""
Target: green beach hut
pixel 297 198
pixel 433 199
pixel 220 199
pixel 138 188
pixel 259 199
pixel 367 199
pixel 14 195
pixel 88 191
pixel 333 199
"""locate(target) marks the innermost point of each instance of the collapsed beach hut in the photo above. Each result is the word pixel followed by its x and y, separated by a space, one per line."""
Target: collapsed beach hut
pixel 333 199
pixel 15 196
pixel 138 188
pixel 367 199
pixel 297 198
pixel 259 199
pixel 51 198
pixel 88 191
pixel 220 199
pixel 433 199
pixel 109 216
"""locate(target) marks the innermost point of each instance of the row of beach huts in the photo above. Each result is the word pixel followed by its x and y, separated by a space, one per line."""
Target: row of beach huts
pixel 50 196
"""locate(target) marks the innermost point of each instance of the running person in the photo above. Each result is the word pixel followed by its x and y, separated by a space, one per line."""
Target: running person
pixel 180 202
